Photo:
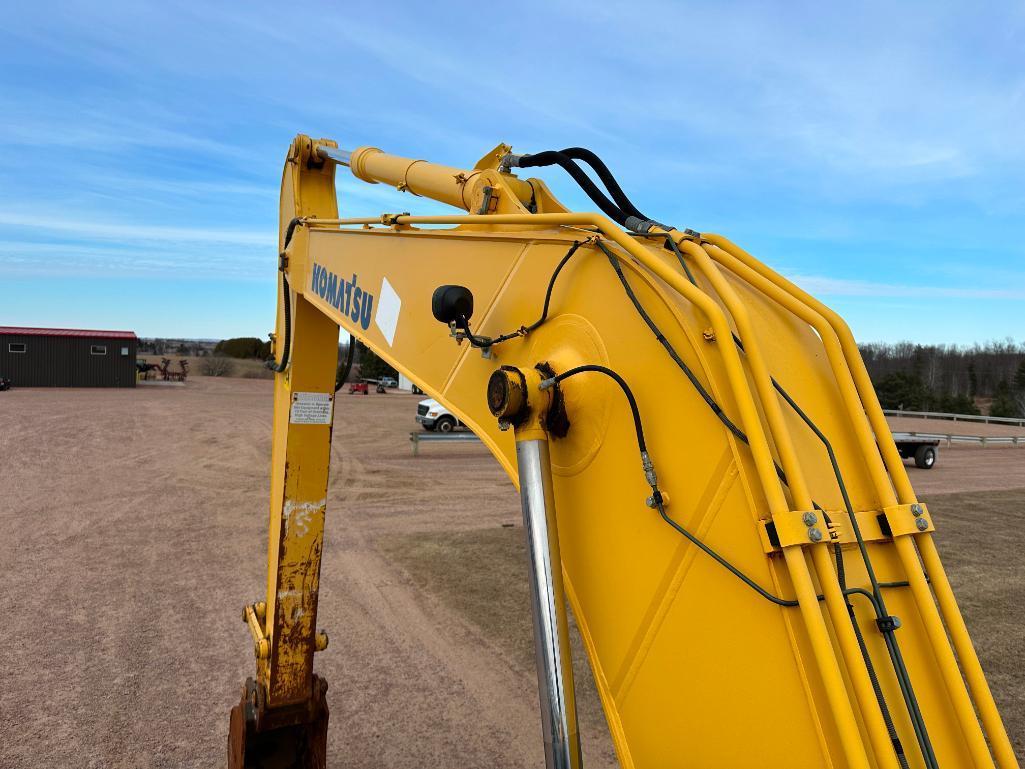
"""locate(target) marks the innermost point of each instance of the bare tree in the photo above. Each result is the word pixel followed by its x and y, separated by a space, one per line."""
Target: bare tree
pixel 975 371
pixel 215 365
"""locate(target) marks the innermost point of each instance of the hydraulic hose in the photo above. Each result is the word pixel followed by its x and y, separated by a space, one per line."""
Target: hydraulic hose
pixel 286 350
pixel 552 157
pixel 634 410
pixel 658 501
pixel 346 367
pixel 705 396
pixel 463 323
pixel 524 330
pixel 622 211
pixel 286 299
pixel 603 172
pixel 891 730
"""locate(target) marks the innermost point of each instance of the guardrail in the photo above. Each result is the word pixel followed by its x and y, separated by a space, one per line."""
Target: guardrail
pixel 985 440
pixel 956 417
pixel 418 436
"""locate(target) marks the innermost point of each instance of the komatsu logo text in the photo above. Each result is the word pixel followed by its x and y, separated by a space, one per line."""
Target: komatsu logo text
pixel 344 295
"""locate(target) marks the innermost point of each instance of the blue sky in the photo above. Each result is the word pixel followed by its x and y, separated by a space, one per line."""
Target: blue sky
pixel 875 152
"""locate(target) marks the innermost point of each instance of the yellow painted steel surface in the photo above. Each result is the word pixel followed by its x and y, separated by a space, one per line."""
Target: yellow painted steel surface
pixel 299 469
pixel 694 669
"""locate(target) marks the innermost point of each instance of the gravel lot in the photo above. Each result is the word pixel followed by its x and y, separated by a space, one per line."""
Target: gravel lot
pixel 134 530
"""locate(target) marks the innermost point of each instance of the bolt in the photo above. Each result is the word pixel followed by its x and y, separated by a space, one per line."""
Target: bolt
pixel 809 518
pixel 922 524
pixel 503 425
pixel 916 509
pixel 814 535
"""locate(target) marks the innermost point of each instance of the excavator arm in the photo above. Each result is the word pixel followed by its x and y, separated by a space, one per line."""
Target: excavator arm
pixel 707 479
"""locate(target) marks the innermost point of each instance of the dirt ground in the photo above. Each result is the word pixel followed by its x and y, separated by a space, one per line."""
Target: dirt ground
pixel 134 530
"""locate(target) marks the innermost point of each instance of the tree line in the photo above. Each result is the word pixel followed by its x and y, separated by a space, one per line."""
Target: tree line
pixel 950 378
pixel 367 362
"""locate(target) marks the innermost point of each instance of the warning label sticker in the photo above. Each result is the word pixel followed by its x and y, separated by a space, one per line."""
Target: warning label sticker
pixel 311 409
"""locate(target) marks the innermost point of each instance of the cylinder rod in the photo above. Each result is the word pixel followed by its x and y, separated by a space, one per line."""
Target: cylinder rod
pixel 342 157
pixel 551 633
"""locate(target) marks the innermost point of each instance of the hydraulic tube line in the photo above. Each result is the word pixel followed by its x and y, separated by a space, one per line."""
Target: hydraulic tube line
pixel 548 604
pixel 951 614
pixel 837 332
pixel 835 601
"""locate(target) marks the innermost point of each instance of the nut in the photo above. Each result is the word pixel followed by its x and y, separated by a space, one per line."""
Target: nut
pixel 922 524
pixel 815 535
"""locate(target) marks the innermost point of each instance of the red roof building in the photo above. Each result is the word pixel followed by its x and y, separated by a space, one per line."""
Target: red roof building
pixel 67 357
pixel 28 331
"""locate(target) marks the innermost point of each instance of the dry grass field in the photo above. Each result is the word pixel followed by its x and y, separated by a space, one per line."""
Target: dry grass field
pixel 134 526
pixel 244 368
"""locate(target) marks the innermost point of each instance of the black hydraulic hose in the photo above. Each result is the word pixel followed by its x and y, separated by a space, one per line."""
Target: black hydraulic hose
pixel 290 230
pixel 876 596
pixel 659 501
pixel 878 603
pixel 891 730
pixel 552 157
pixel 346 367
pixel 524 330
pixel 705 396
pixel 818 433
pixel 603 172
pixel 656 494
pixel 634 411
pixel 903 678
pixel 286 299
pixel 679 255
pixel 287 345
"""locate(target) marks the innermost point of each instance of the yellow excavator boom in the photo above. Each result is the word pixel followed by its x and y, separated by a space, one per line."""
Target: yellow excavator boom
pixel 706 476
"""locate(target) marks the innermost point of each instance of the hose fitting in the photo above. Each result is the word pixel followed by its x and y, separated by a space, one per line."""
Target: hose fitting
pixel 649 471
pixel 510 160
pixel 637 224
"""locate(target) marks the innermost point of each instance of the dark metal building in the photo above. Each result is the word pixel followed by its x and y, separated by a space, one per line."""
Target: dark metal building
pixel 65 357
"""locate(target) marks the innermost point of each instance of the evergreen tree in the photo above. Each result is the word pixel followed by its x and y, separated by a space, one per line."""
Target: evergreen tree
pixel 1019 377
pixel 1004 403
pixel 370 365
pixel 901 390
pixel 243 347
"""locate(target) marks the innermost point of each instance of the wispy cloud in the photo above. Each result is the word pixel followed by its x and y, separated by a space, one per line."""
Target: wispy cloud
pixel 826 286
pixel 147 138
pixel 126 233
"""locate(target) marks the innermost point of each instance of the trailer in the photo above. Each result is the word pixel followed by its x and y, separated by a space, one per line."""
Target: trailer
pixel 923 450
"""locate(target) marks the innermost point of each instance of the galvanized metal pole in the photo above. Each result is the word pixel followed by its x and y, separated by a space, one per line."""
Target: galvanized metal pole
pixel 551 633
